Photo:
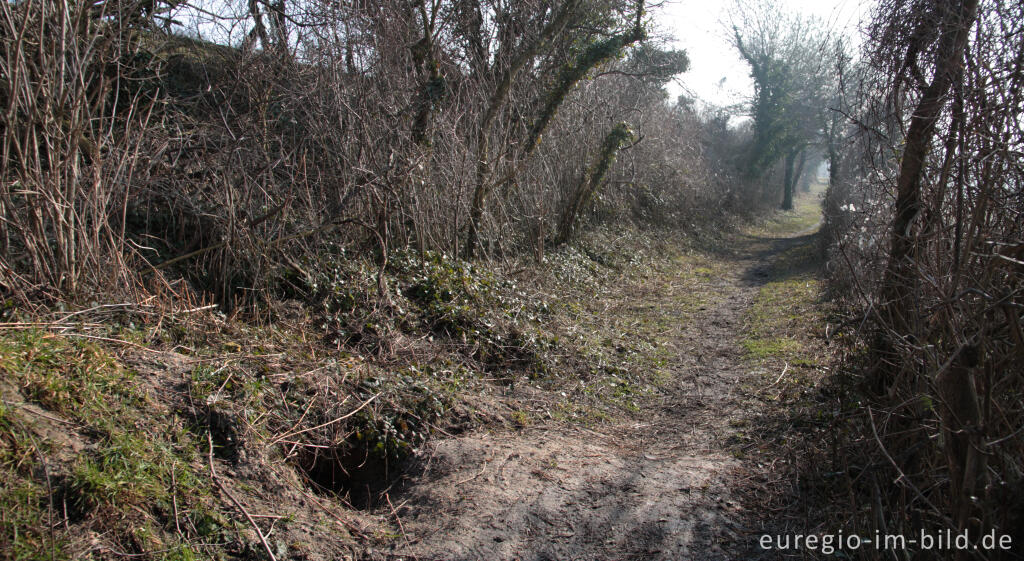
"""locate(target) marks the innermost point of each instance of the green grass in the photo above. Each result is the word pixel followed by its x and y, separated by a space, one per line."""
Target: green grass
pixel 760 349
pixel 122 465
pixel 806 214
pixel 780 320
pixel 521 418
pixel 133 468
pixel 74 378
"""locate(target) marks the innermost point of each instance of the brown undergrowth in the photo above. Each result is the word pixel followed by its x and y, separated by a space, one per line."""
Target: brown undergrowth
pixel 681 475
pixel 134 430
pixel 803 456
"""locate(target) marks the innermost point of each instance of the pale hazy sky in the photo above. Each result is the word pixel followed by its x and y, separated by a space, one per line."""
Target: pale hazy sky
pixel 717 75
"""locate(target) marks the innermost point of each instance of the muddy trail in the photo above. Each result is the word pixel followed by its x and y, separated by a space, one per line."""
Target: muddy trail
pixel 664 485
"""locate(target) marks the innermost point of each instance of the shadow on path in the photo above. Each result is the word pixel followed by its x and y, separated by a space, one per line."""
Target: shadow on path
pixel 664 485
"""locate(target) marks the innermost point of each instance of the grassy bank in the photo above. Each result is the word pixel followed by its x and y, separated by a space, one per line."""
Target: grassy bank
pixel 186 434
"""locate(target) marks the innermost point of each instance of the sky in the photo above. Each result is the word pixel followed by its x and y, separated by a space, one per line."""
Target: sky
pixel 717 74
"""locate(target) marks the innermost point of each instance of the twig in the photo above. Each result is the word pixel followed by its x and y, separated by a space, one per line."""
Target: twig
pixel 224 489
pixel 169 262
pixel 40 413
pixel 174 500
pixel 327 424
pixel 397 518
pixel 46 325
pixel 303 416
pixel 215 396
pixel 94 309
pixel 483 468
pixel 1010 259
pixel 192 310
pixel 780 375
pixel 111 340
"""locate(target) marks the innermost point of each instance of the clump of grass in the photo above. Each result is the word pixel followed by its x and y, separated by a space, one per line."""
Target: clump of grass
pixel 76 379
pixel 133 468
pixel 521 418
pixel 135 475
pixel 760 349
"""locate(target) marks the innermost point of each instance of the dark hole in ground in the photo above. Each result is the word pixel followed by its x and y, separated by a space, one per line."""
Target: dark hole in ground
pixel 67 499
pixel 220 425
pixel 352 472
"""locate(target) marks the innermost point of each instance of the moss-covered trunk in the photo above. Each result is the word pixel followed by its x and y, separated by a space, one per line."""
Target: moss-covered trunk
pixel 591 180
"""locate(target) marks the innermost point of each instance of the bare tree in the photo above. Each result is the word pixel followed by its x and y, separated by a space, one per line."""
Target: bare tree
pixel 954 22
pixel 927 207
pixel 784 55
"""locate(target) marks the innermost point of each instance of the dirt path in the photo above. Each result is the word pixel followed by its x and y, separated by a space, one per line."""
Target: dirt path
pixel 663 487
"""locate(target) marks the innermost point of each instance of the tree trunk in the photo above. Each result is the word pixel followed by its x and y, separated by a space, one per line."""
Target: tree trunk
pixel 833 164
pixel 572 73
pixel 591 180
pixel 279 24
pixel 900 278
pixel 258 30
pixel 790 181
pixel 806 188
pixel 497 99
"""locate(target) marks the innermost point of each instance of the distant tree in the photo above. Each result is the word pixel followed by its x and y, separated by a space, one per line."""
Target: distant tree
pixel 784 53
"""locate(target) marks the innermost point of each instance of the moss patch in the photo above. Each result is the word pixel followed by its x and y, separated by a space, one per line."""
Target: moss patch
pixel 781 318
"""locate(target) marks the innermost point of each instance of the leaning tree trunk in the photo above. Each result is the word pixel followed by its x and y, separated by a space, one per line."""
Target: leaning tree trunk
pixel 570 74
pixel 494 104
pixel 591 180
pixel 900 278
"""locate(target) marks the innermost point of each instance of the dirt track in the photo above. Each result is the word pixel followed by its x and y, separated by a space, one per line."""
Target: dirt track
pixel 664 487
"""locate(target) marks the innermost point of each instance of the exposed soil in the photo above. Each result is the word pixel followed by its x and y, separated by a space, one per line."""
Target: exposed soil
pixel 664 485
pixel 659 427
